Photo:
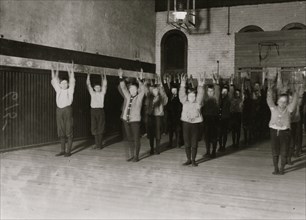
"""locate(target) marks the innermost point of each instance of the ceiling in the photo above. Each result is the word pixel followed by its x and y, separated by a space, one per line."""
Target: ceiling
pixel 161 5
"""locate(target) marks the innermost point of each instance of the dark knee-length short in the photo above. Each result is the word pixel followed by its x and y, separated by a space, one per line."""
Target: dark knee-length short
pixel 97 121
pixel 64 122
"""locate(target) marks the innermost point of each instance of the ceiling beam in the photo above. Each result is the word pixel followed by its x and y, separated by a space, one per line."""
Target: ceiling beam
pixel 161 5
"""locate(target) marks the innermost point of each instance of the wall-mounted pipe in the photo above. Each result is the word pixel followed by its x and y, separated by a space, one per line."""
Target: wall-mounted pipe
pixel 228 20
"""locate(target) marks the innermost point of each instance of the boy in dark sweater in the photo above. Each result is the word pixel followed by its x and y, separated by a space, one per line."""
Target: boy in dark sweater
pixel 210 112
pixel 156 100
pixel 224 114
pixel 174 110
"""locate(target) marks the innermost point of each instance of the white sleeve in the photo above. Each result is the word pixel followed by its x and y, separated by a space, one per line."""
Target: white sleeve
pixel 55 84
pixel 71 86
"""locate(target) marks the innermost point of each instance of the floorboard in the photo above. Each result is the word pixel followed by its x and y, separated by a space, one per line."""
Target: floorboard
pixel 100 184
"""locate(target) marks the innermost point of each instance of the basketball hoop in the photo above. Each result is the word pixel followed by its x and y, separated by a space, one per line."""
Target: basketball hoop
pixel 268 45
pixel 180 17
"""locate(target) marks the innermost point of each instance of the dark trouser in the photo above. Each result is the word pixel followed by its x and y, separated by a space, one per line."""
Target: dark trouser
pixel 64 123
pixel 154 129
pixel 280 140
pixel 191 133
pixel 257 127
pixel 175 128
pixel 210 133
pixel 236 127
pixel 246 132
pixel 223 130
pixel 97 125
pixel 132 130
pixel 295 143
pixel 300 139
pixel 165 128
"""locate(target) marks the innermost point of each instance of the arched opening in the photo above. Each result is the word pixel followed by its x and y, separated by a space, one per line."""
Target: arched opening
pixel 251 28
pixel 255 72
pixel 294 26
pixel 174 46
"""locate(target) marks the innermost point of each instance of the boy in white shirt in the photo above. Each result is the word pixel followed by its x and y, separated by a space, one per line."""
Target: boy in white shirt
pixel 97 94
pixel 64 98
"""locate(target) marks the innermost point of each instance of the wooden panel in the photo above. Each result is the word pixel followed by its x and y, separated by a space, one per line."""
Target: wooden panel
pixel 34 51
pixel 292 49
pixel 28 108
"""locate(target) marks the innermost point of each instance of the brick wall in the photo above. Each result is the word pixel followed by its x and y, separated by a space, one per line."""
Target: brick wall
pixel 204 50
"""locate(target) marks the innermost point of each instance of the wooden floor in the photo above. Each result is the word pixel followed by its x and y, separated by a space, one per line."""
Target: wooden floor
pixel 100 184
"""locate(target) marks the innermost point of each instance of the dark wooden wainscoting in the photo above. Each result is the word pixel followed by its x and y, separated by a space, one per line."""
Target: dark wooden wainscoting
pixel 28 108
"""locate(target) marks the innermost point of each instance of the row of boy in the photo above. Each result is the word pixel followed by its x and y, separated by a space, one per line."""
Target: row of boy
pixel 187 109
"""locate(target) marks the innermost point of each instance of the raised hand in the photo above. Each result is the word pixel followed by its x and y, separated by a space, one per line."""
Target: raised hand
pixel 103 78
pixel 201 80
pixel 183 78
pixel 242 90
pixel 270 84
pixel 88 79
pixel 165 77
pixel 70 69
pixel 298 88
pixel 67 68
pixel 120 73
pixel 264 73
pixel 140 75
pixel 54 73
pixel 215 78
pixel 232 79
pixel 158 79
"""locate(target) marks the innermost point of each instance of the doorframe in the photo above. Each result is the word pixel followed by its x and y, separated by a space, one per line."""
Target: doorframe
pixel 162 55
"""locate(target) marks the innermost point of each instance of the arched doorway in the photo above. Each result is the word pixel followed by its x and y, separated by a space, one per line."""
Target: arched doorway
pixel 174 46
pixel 255 72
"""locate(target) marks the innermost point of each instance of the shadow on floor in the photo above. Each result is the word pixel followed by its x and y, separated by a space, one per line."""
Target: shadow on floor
pixel 163 148
pixel 231 150
pixel 298 164
pixel 82 146
pixel 90 142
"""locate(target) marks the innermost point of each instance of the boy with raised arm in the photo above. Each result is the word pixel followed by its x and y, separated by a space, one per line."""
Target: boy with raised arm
pixel 280 126
pixel 191 118
pixel 174 110
pixel 224 114
pixel 64 98
pixel 210 112
pixel 157 99
pixel 236 114
pixel 131 114
pixel 97 94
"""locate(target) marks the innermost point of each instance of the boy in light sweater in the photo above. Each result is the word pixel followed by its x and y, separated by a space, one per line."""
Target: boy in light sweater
pixel 64 97
pixel 191 117
pixel 280 126
pixel 131 114
pixel 97 94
